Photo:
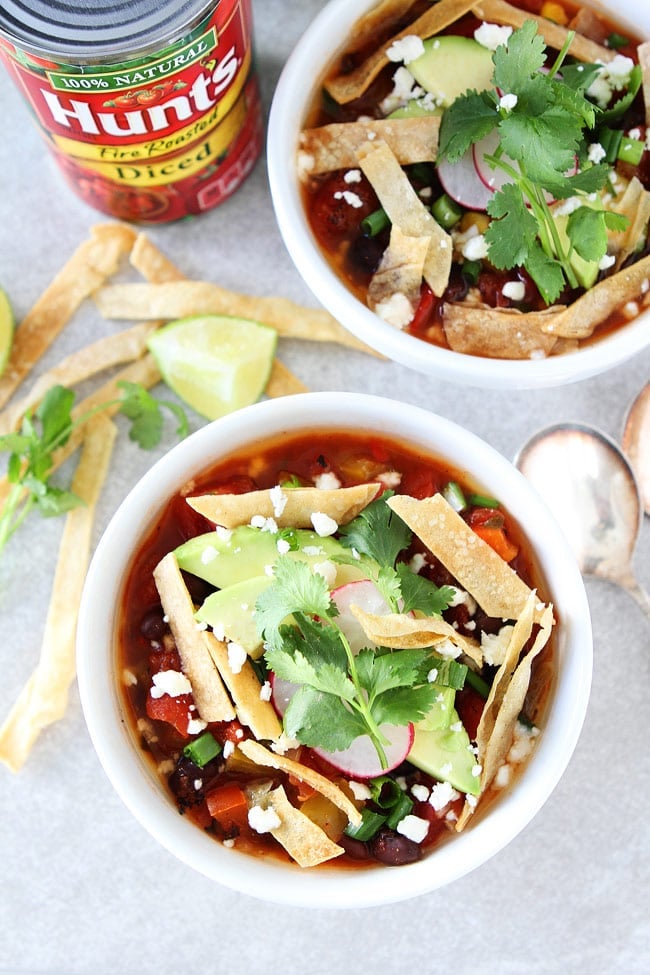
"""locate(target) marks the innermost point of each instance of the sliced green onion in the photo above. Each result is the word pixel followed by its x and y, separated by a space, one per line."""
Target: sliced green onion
pixel 610 140
pixel 385 791
pixel 631 150
pixel 482 501
pixel 471 270
pixel 478 684
pixel 289 536
pixel 374 223
pixel 449 673
pixel 203 749
pixel 402 808
pixel 420 173
pixel 370 823
pixel 453 494
pixel 616 41
pixel 446 211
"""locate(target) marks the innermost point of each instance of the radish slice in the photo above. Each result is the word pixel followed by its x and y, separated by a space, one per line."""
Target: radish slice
pixel 461 181
pixel 361 761
pixel 495 178
pixel 364 594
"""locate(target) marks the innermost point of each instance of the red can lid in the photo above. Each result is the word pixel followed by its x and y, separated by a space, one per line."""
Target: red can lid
pixel 91 30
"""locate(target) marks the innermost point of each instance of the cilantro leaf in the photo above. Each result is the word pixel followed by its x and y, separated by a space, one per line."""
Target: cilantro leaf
pixel 295 589
pixel 513 230
pixel 546 272
pixel 544 144
pixel 422 594
pixel 580 75
pixel 296 668
pixel 402 705
pixel 322 720
pixel 521 57
pixel 145 413
pixel 381 672
pixel 377 532
pixel 467 120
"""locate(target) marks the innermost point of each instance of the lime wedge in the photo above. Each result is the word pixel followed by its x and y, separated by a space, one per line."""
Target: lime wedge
pixel 215 363
pixel 6 329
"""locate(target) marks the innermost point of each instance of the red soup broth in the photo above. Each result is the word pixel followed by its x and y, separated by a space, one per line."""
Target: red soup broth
pixel 145 644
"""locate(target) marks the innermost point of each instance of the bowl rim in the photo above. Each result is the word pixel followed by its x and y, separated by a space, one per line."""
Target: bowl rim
pixel 288 109
pixel 135 780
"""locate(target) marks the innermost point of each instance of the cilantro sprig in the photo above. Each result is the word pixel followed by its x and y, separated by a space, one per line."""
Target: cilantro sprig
pixel 542 147
pixel 343 695
pixel 32 449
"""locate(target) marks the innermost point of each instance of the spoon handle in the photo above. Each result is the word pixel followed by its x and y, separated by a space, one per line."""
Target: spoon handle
pixel 636 590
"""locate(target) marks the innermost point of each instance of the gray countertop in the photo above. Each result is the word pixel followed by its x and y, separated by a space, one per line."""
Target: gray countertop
pixel 83 889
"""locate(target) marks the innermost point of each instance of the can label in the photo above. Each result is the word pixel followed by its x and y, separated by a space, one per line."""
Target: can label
pixel 159 138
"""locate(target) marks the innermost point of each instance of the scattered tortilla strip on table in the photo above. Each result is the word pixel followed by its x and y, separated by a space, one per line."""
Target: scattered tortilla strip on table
pixel 495 586
pixel 212 701
pixel 555 35
pixel 406 210
pixel 335 146
pixel 244 689
pixel 91 264
pixel 346 87
pixel 498 333
pixel 291 508
pixel 579 319
pixel 282 382
pixel 44 697
pixel 304 841
pixel 152 264
pixel 180 299
pixel 401 632
pixel 263 756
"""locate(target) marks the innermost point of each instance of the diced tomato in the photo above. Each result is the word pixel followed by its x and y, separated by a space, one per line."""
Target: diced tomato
pixel 488 517
pixel 227 804
pixel 419 483
pixel 424 310
pixel 469 705
pixel 228 731
pixel 167 659
pixel 498 540
pixel 174 710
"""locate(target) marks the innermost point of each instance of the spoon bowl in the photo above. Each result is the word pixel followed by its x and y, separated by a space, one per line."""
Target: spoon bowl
pixel 590 487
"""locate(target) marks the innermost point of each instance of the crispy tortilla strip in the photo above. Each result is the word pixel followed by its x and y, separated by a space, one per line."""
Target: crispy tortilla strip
pixel 345 87
pixel 497 588
pixel 178 299
pixel 383 14
pixel 406 210
pixel 244 689
pixel 634 204
pixel 494 747
pixel 498 333
pixel 44 697
pixel 582 48
pixel 210 697
pixel 282 381
pixel 399 273
pixel 578 320
pixel 92 262
pixel 88 361
pixel 268 759
pixel 303 840
pixel 644 61
pixel 232 510
pixel 335 146
pixel 152 263
pixel 402 632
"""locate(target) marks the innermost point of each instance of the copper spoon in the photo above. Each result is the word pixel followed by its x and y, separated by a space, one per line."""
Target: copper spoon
pixel 636 442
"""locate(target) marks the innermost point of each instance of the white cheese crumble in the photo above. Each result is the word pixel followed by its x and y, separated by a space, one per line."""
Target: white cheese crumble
pixel 606 261
pixel 503 776
pixel 228 748
pixel 495 645
pixel 284 744
pixel 283 546
pixel 352 176
pixel 323 524
pixel 313 550
pixel 448 649
pixel 171 682
pixel 352 199
pixel 420 792
pixel 223 534
pixel 390 479
pixel 441 795
pixel 596 153
pixel 406 49
pixel 263 820
pixel 396 310
pixel 418 562
pixel 462 596
pixel 515 290
pixel 508 101
pixel 208 554
pixel 492 36
pixel 359 790
pixel 237 657
pixel 196 725
pixel 128 678
pixel 612 77
pixel 327 481
pixel 264 524
pixel 279 500
pixel 266 691
pixel 475 249
pixel 631 309
pixel 413 828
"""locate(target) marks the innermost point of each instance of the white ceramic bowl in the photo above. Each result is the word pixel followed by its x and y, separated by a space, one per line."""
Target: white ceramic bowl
pixel 295 92
pixel 134 778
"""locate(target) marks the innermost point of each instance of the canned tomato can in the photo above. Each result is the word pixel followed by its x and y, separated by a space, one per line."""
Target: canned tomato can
pixel 151 107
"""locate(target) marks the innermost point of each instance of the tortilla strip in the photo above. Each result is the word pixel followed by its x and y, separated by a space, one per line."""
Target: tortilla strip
pixel 232 510
pixel 282 381
pixel 582 48
pixel 634 204
pixel 399 273
pixel 178 299
pixel 88 361
pixel 268 759
pixel 210 697
pixel 152 263
pixel 346 87
pixel 304 841
pixel 497 588
pixel 92 262
pixel 406 210
pixel 244 689
pixel 44 697
pixel 643 51
pixel 380 16
pixel 579 319
pixel 498 333
pixel 330 147
pixel 401 632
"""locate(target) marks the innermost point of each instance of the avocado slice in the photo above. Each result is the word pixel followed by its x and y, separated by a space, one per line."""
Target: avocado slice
pixel 445 753
pixel 440 714
pixel 225 559
pixel 414 109
pixel 451 65
pixel 585 271
pixel 232 611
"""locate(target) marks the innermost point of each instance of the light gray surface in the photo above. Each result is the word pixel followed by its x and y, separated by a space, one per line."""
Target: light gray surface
pixel 84 890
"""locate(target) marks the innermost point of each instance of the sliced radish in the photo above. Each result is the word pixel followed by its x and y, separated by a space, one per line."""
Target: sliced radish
pixel 364 594
pixel 461 181
pixel 361 761
pixel 492 178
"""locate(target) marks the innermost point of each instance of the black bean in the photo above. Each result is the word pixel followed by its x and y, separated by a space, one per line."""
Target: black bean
pixel 365 253
pixel 153 626
pixel 393 849
pixel 354 848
